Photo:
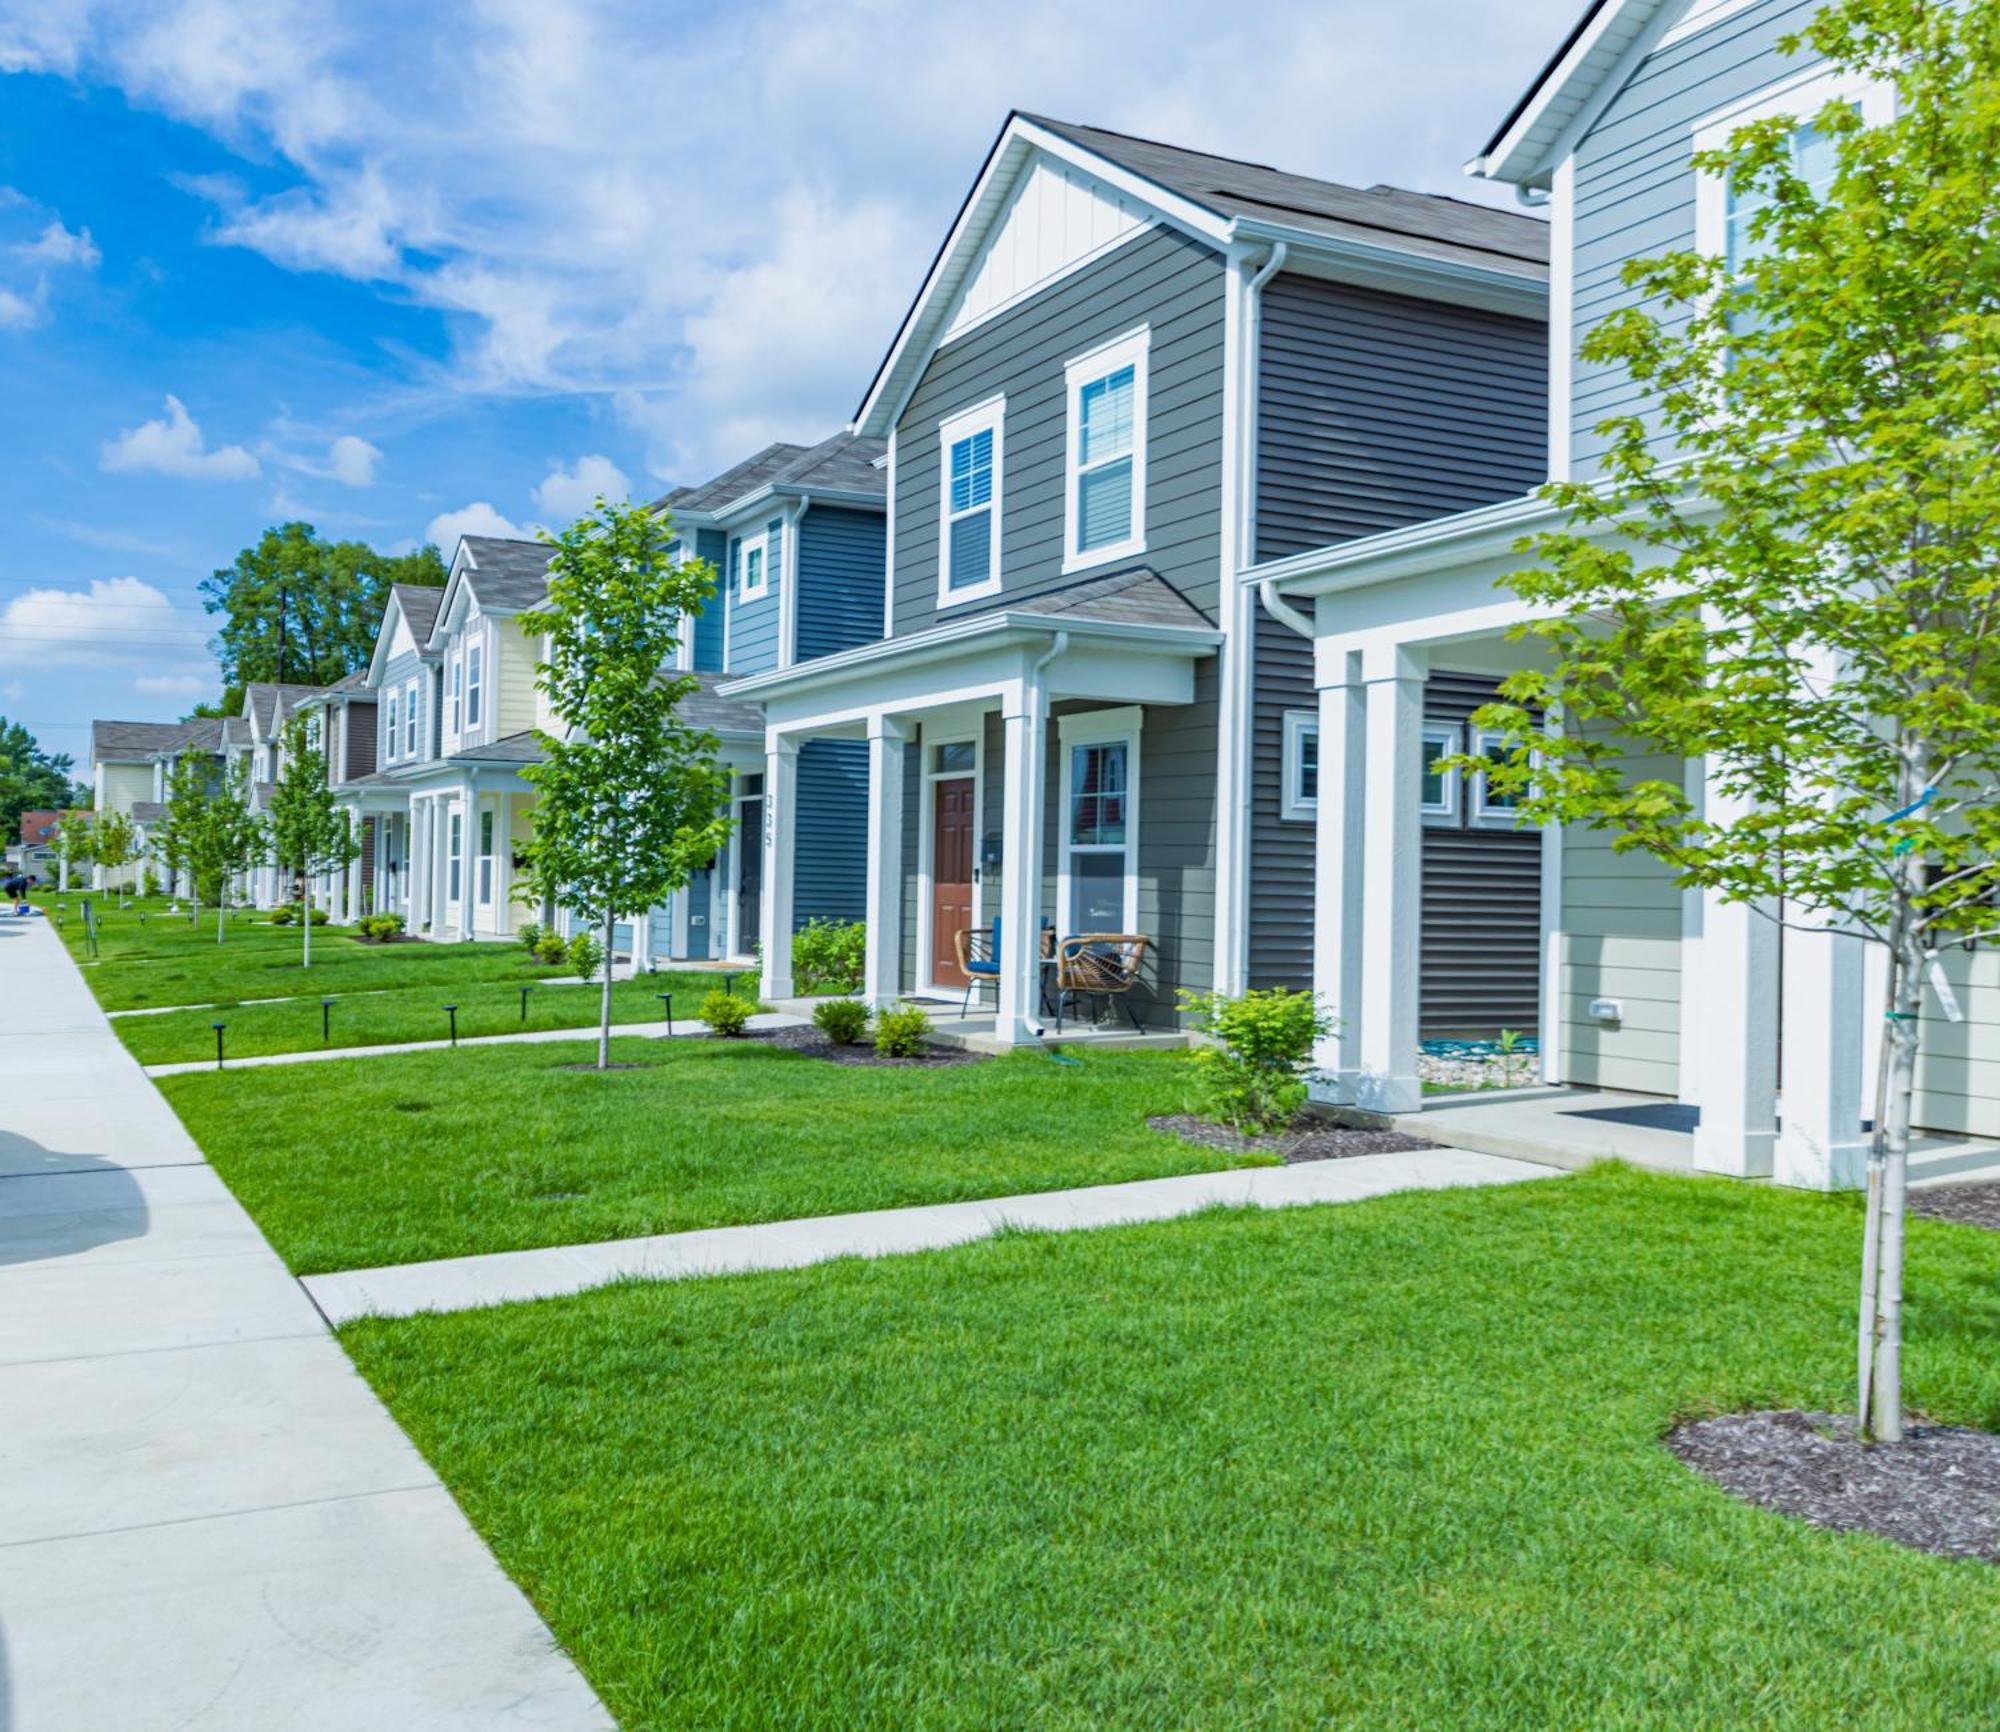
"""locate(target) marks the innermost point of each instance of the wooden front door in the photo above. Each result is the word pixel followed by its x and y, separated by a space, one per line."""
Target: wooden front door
pixel 951 875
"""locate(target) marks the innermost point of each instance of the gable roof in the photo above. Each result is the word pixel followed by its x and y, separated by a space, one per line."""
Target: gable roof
pixel 843 462
pixel 1583 71
pixel 139 742
pixel 419 602
pixel 1140 596
pixel 741 478
pixel 1382 235
pixel 702 708
pixel 507 575
pixel 268 704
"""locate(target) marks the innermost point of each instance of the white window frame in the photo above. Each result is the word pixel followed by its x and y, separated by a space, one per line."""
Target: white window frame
pixel 1697 18
pixel 1445 811
pixel 412 720
pixel 987 417
pixel 454 692
pixel 1486 743
pixel 1297 804
pixel 1100 728
pixel 455 854
pixel 760 544
pixel 487 831
pixel 1132 349
pixel 391 749
pixel 475 670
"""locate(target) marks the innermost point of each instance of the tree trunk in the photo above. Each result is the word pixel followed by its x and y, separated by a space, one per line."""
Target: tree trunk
pixel 604 1002
pixel 306 910
pixel 1889 1176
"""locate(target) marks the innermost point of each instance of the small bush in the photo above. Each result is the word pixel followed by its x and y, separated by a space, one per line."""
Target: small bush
pixel 726 1014
pixel 1254 1077
pixel 320 917
pixel 530 934
pixel 380 927
pixel 550 948
pixel 841 1020
pixel 827 956
pixel 585 953
pixel 900 1033
pixel 285 915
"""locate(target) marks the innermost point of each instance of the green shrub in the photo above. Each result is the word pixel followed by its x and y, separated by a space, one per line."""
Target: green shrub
pixel 380 927
pixel 550 948
pixel 827 956
pixel 1254 1077
pixel 284 915
pixel 585 953
pixel 841 1020
pixel 530 934
pixel 900 1033
pixel 725 1013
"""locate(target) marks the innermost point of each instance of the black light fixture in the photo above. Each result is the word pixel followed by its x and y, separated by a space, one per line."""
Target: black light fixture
pixel 524 999
pixel 218 1027
pixel 325 1019
pixel 667 999
pixel 451 1010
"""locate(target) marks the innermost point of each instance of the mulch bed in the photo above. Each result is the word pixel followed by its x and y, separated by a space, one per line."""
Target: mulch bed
pixel 816 1043
pixel 1972 1205
pixel 1308 1139
pixel 595 1066
pixel 1938 1490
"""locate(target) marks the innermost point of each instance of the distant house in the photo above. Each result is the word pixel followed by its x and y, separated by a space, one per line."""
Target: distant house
pixel 36 851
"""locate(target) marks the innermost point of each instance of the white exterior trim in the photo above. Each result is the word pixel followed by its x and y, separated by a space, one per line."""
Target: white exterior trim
pixel 1130 349
pixel 989 416
pixel 1297 805
pixel 1698 17
pixel 1122 726
pixel 760 544
pixel 946 731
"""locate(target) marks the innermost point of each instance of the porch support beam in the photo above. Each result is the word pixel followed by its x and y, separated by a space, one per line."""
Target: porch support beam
pixel 1337 869
pixel 468 859
pixel 779 841
pixel 1820 1143
pixel 1024 720
pixel 1392 879
pixel 882 968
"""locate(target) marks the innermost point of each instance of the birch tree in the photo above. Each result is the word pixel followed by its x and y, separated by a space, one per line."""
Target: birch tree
pixel 1790 565
pixel 631 801
pixel 310 834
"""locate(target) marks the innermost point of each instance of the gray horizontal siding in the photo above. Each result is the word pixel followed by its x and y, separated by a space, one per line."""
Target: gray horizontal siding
pixel 830 877
pixel 361 739
pixel 1163 280
pixel 1281 849
pixel 842 560
pixel 1635 180
pixel 1378 410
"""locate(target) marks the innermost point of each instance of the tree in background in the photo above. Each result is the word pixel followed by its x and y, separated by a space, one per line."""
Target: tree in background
pixel 190 789
pixel 114 844
pixel 631 799
pixel 1806 595
pixel 224 839
pixel 76 837
pixel 309 832
pixel 304 611
pixel 31 780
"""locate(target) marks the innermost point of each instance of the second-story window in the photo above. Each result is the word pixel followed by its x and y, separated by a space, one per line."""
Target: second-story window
pixel 970 445
pixel 455 685
pixel 413 741
pixel 752 566
pixel 389 715
pixel 1104 505
pixel 474 660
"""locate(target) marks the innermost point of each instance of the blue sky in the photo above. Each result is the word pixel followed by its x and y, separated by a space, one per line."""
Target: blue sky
pixel 407 270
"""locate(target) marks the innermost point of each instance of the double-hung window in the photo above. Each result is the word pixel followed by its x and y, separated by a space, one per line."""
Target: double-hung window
pixel 1439 798
pixel 1099 886
pixel 413 741
pixel 1104 495
pixel 486 857
pixel 970 446
pixel 475 657
pixel 454 689
pixel 1301 773
pixel 1491 809
pixel 455 856
pixel 753 557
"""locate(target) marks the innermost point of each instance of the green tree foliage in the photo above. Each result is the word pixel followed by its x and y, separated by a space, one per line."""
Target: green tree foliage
pixel 1791 565
pixel 224 838
pixel 114 843
pixel 302 610
pixel 829 955
pixel 310 834
pixel 1254 1075
pixel 31 780
pixel 631 799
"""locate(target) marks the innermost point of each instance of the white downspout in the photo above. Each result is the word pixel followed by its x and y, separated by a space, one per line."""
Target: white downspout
pixel 1282 611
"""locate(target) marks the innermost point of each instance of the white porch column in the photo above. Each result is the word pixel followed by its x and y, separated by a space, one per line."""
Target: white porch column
pixel 1392 879
pixel 438 851
pixel 781 786
pixel 1337 866
pixel 882 968
pixel 350 904
pixel 468 855
pixel 1729 1010
pixel 416 884
pixel 1024 716
pixel 1825 1083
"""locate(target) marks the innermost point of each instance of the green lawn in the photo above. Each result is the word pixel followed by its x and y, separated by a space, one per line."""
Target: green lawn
pixel 415 1013
pixel 358 1162
pixel 1392 1465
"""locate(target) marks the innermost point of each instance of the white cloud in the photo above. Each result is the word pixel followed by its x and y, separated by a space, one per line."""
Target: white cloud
pixel 352 461
pixel 478 518
pixel 568 493
pixel 57 246
pixel 174 445
pixel 173 685
pixel 117 621
pixel 17 310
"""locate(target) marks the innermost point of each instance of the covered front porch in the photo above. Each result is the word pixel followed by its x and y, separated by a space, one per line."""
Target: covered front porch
pixel 446 851
pixel 1007 757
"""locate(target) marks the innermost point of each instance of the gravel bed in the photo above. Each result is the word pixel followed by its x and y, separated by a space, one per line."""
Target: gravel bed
pixel 814 1041
pixel 1971 1205
pixel 1308 1139
pixel 1938 1490
pixel 1524 1071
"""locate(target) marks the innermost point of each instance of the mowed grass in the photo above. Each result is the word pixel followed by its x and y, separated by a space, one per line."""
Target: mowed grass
pixel 358 1162
pixel 161 959
pixel 1393 1465
pixel 415 1013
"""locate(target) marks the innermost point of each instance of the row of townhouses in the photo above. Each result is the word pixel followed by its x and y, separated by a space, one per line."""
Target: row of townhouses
pixel 1155 574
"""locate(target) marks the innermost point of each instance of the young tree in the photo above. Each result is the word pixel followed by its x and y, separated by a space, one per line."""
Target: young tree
pixel 190 789
pixel 225 840
pixel 75 840
pixel 631 799
pixel 310 834
pixel 1790 568
pixel 114 844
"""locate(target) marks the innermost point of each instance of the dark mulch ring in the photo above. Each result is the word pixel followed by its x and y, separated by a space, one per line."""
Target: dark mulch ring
pixel 1972 1205
pixel 1938 1490
pixel 595 1066
pixel 819 1044
pixel 1308 1138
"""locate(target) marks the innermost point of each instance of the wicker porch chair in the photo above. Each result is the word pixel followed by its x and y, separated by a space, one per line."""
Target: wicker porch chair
pixel 979 962
pixel 1099 965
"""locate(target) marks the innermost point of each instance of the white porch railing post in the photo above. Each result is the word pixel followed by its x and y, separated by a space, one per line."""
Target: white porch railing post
pixel 781 784
pixel 1025 723
pixel 882 973
pixel 468 857
pixel 1820 1145
pixel 1392 879
pixel 1337 873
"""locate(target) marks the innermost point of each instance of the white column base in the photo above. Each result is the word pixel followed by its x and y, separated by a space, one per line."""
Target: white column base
pixel 1025 719
pixel 1392 881
pixel 1820 1142
pixel 781 786
pixel 1735 1001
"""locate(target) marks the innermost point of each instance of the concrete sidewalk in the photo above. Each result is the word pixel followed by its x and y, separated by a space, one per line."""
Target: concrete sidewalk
pixel 207 1520
pixel 464 1283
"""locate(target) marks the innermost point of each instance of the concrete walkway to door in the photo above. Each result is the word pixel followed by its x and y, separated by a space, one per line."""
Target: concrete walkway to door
pixel 207 1520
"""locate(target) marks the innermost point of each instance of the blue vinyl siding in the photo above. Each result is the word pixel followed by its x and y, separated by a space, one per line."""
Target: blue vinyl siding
pixel 842 561
pixel 1635 184
pixel 832 873
pixel 711 627
pixel 753 625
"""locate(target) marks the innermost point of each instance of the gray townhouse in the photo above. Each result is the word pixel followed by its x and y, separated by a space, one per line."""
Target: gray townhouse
pixel 1132 373
pixel 1676 999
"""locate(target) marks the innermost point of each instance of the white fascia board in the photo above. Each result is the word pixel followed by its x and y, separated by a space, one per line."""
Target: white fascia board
pixel 1399 552
pixel 1522 289
pixel 454 587
pixel 752 503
